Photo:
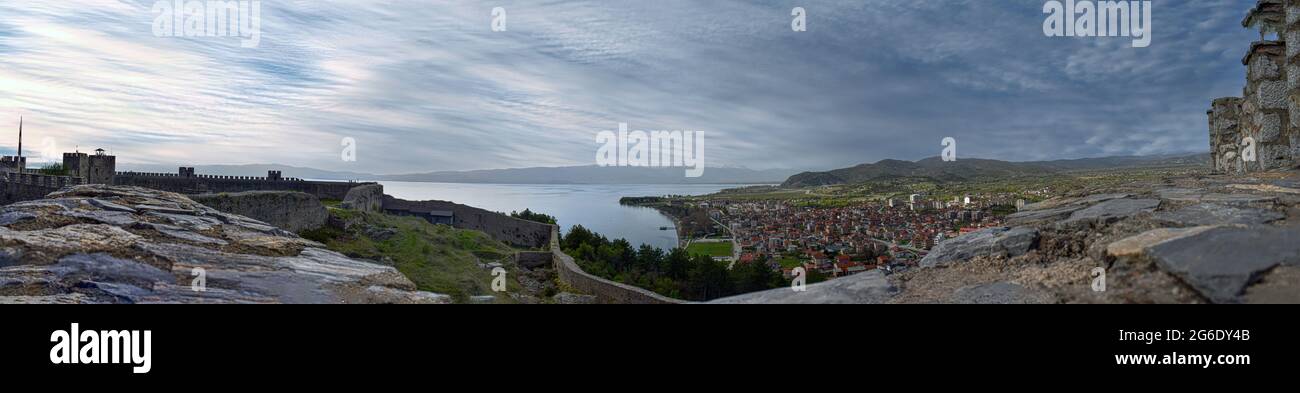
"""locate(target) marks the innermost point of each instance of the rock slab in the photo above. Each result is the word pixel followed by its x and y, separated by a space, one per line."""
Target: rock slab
pixel 114 244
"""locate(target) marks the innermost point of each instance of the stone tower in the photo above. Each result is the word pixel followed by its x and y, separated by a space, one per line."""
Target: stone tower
pixel 1291 33
pixel 92 169
pixel 1261 129
pixel 76 164
pixel 1265 117
pixel 102 168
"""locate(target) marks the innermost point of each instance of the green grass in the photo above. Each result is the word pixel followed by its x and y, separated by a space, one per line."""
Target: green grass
pixel 788 262
pixel 718 249
pixel 437 258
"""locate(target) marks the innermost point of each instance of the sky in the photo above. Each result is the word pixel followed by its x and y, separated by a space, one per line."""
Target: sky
pixel 428 85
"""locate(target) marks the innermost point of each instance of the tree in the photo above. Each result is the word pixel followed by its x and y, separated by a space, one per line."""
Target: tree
pixel 708 279
pixel 534 217
pixel 754 276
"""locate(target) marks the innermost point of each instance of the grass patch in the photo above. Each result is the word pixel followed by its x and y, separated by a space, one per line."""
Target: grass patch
pixel 712 249
pixel 788 262
pixel 437 258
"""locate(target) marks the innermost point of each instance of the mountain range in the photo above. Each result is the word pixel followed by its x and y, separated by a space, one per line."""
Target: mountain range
pixel 974 168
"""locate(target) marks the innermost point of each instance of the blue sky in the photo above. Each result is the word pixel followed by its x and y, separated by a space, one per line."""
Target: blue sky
pixel 426 85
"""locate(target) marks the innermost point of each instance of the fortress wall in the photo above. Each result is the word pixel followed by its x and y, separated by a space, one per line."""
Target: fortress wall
pixel 534 259
pixel 1264 109
pixel 605 290
pixel 204 184
pixel 18 187
pixel 292 211
pixel 503 228
pixel 1225 135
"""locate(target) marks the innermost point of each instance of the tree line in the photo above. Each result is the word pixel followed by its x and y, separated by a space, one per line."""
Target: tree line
pixel 674 273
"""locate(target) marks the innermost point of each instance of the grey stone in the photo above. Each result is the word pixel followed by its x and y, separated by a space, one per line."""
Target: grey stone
pixel 1215 214
pixel 863 288
pixel 998 293
pixel 483 299
pixel 190 222
pixel 110 206
pixel 1040 215
pixel 1220 263
pixel 1198 196
pixel 1001 241
pixel 1110 211
pixel 104 267
pixel 105 263
pixel 115 218
pixel 573 298
pixel 10 218
pixel 182 234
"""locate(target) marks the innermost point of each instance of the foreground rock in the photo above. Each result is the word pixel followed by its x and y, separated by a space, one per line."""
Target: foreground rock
pixel 106 244
pixel 993 241
pixel 1221 262
pixel 1181 239
pixel 864 288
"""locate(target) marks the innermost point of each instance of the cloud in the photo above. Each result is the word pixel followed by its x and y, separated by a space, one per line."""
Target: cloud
pixel 427 86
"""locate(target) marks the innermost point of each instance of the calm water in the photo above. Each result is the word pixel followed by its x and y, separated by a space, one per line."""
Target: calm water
pixel 593 206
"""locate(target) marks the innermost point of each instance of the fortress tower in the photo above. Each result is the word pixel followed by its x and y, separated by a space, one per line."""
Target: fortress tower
pixel 93 169
pixel 1261 129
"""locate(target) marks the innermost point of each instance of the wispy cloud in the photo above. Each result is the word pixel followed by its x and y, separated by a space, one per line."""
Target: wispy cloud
pixel 428 86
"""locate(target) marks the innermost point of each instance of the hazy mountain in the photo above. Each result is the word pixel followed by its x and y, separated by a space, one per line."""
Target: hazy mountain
pixel 972 168
pixel 1182 159
pixel 600 175
pixel 550 175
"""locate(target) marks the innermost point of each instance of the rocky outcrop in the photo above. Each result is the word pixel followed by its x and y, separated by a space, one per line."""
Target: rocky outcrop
pixel 1008 242
pixel 1216 239
pixel 864 288
pixel 288 210
pixel 369 198
pixel 115 244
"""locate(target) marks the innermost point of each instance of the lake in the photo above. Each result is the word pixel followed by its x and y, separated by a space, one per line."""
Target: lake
pixel 593 206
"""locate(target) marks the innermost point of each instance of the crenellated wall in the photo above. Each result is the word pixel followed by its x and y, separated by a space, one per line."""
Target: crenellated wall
pixel 18 187
pixel 207 184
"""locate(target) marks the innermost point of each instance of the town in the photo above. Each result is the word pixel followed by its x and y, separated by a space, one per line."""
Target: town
pixel 891 234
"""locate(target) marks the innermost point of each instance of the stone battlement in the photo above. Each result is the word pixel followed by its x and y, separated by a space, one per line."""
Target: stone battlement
pixel 1261 129
pixel 191 174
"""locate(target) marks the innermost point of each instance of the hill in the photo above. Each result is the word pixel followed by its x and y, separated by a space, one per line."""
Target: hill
pixel 976 168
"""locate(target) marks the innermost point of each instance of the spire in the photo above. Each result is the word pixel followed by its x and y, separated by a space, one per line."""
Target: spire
pixel 20 136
